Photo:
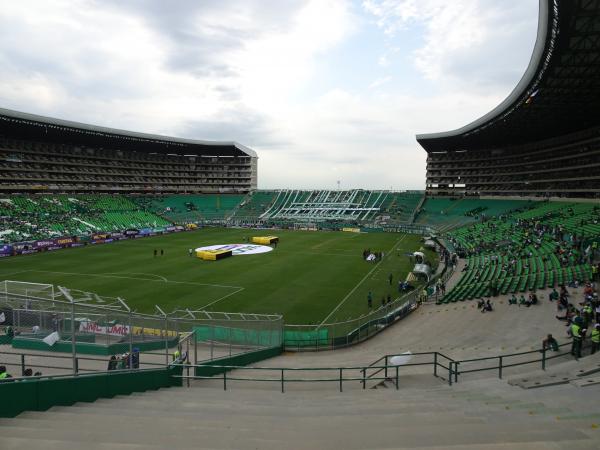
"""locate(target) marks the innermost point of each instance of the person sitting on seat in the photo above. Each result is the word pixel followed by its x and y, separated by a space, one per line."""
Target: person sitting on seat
pixel 4 376
pixel 487 306
pixel 534 298
pixel 550 343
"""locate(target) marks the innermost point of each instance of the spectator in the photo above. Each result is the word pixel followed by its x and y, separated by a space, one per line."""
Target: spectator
pixel 577 334
pixel 135 358
pixel 3 374
pixel 595 338
pixel 27 372
pixel 523 301
pixel 550 343
pixel 112 363
pixel 487 307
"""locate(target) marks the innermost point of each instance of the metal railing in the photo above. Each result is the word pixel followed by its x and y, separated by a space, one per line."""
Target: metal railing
pixel 330 336
pixel 280 374
pixel 442 367
pixel 75 324
pixel 25 360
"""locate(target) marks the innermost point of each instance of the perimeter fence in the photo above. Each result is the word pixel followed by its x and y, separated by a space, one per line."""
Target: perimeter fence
pixel 329 336
pixel 60 331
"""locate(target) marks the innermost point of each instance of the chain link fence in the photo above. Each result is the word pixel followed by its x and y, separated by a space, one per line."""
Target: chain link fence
pixel 55 330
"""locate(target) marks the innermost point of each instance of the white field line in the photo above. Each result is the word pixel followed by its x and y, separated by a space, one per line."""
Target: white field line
pixel 137 278
pixel 346 255
pixel 359 283
pixel 13 273
pixel 137 273
pixel 222 298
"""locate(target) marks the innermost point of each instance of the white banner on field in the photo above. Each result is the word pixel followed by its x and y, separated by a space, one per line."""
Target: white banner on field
pixel 113 330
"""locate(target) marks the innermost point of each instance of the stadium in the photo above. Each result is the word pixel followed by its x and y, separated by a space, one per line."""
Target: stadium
pixel 151 296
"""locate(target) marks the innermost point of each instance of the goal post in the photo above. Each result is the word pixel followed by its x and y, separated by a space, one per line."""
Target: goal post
pixel 24 290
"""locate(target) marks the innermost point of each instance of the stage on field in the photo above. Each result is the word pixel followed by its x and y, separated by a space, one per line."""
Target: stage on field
pixel 265 240
pixel 213 255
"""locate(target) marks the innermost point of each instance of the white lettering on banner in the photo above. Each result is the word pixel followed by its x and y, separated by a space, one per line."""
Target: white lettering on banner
pixel 239 249
pixel 113 330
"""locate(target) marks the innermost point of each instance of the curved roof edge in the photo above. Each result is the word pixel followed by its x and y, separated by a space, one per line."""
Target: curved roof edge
pixel 43 120
pixel 529 75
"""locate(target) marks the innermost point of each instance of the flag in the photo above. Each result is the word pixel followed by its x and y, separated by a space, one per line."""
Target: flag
pixel 52 338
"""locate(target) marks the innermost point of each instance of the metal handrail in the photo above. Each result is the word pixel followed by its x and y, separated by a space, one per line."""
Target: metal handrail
pixel 371 371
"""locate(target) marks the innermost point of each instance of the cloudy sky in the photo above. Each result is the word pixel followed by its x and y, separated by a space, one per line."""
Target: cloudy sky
pixel 323 90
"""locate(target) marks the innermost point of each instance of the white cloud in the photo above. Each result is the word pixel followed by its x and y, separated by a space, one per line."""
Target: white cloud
pixel 238 70
pixel 464 39
pixel 383 61
pixel 380 82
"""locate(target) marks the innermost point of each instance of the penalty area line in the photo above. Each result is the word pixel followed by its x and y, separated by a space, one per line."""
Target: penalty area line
pixel 160 277
pixel 222 298
pixel 138 278
pixel 359 283
pixel 13 273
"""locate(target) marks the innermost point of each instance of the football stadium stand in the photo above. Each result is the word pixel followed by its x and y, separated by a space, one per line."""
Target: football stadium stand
pixel 27 218
pixel 40 216
pixel 544 138
pixel 461 379
pixel 253 206
pixel 182 209
pixel 443 213
pixel 42 154
pixel 350 206
pixel 547 245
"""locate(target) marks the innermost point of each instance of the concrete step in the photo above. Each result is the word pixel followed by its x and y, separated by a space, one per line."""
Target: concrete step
pixel 586 381
pixel 305 437
pixel 269 410
pixel 120 422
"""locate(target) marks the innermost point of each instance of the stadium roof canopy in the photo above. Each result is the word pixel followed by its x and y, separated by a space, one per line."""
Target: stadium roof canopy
pixel 559 93
pixel 20 125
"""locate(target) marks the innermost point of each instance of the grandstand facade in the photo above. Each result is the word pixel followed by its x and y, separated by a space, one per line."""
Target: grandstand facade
pixel 45 155
pixel 544 138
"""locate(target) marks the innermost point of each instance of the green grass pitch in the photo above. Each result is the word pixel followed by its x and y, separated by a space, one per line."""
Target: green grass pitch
pixel 309 277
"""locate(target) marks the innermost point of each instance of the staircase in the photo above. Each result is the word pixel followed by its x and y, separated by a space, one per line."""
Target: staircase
pixel 480 415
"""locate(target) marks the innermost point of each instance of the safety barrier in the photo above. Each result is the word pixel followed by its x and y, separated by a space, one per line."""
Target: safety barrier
pixel 42 393
pixel 329 336
pixel 442 366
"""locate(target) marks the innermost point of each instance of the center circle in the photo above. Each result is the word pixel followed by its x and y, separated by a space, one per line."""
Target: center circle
pixel 238 249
